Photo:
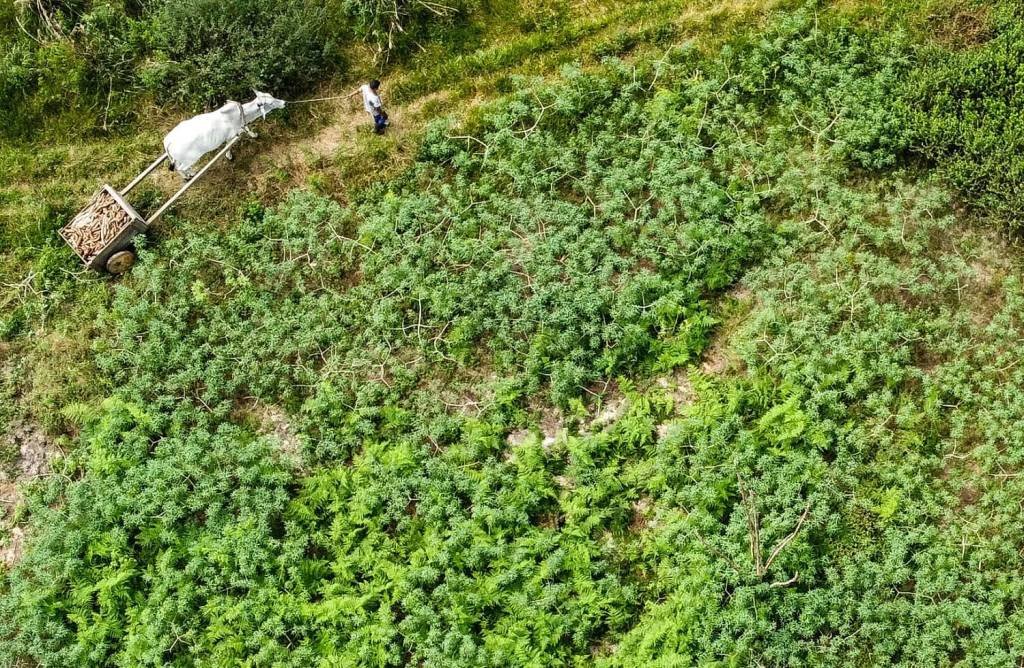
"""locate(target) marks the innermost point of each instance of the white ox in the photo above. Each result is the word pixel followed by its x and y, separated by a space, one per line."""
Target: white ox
pixel 190 140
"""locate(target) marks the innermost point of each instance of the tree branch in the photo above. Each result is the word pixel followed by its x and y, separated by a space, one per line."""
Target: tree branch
pixel 788 539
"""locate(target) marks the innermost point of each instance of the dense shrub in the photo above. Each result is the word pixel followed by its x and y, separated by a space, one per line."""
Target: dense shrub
pixel 965 109
pixel 38 81
pixel 197 52
pixel 212 49
pixel 96 58
pixel 570 233
pixel 844 414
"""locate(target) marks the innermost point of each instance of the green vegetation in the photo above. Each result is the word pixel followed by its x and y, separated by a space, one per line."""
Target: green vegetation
pixel 106 59
pixel 967 111
pixel 212 48
pixel 686 352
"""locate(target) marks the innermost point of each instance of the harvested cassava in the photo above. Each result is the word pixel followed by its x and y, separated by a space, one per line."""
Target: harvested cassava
pixel 96 225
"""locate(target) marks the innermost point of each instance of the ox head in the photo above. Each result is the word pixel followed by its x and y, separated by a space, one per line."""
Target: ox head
pixel 265 102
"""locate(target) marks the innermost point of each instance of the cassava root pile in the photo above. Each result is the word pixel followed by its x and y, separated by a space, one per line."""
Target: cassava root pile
pixel 96 225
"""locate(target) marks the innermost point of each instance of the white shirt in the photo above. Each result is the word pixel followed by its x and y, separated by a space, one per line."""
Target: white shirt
pixel 371 101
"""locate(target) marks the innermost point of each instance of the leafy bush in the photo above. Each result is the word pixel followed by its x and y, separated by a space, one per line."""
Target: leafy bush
pixel 566 235
pixel 196 515
pixel 97 58
pixel 37 82
pixel 837 420
pixel 965 107
pixel 198 52
pixel 209 49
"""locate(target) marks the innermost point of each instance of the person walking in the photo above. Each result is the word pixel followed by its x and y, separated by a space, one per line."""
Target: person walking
pixel 373 106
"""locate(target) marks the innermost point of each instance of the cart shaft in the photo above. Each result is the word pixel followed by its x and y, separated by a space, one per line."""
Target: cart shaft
pixel 144 174
pixel 188 184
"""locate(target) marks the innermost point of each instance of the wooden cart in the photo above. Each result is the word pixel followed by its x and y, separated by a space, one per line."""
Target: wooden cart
pixel 110 248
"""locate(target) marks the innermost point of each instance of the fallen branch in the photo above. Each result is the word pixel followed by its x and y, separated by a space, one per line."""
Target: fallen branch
pixel 785 583
pixel 761 565
pixel 788 539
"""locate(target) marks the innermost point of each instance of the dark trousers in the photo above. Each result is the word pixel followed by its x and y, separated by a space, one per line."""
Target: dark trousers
pixel 380 121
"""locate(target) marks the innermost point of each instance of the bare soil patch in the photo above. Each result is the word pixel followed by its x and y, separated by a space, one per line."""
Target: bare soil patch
pixel 960 26
pixel 33 451
pixel 275 422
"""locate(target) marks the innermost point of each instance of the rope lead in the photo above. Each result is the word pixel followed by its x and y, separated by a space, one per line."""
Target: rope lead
pixel 318 99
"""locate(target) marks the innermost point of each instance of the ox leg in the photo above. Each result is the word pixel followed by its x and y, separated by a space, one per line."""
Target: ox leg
pixel 229 155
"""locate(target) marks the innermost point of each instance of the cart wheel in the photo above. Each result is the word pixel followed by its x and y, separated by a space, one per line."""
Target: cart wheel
pixel 120 262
